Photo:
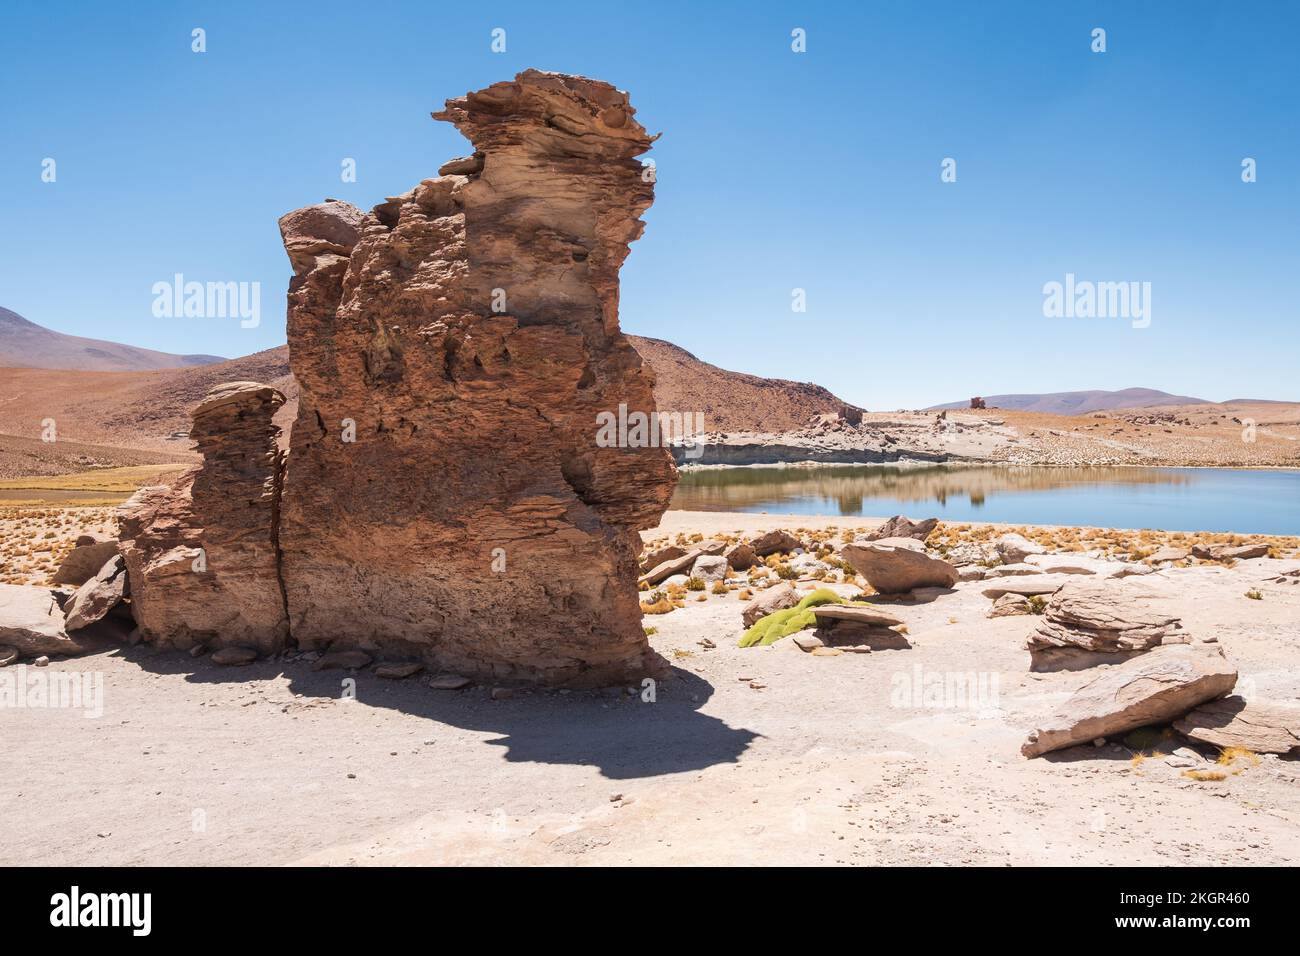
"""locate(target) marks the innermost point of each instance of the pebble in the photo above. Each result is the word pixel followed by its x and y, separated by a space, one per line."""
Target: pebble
pixel 42 661
pixel 449 682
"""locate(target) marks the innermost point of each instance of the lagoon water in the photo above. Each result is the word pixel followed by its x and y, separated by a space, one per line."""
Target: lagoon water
pixel 1173 499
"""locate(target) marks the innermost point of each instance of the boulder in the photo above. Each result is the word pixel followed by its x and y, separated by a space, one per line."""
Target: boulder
pixel 98 596
pixel 776 598
pixel 859 626
pixel 1089 622
pixel 85 559
pixel 1260 726
pixel 655 558
pixel 666 569
pixel 31 623
pixel 1014 548
pixel 1170 553
pixel 741 557
pixel 201 553
pixel 1225 552
pixel 710 568
pixel 1154 688
pixel 895 570
pixel 900 526
pixel 775 542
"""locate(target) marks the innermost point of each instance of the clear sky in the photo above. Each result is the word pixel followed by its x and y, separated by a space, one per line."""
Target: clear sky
pixel 777 170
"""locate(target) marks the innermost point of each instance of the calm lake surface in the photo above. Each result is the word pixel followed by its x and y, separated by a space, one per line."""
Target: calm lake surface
pixel 1172 499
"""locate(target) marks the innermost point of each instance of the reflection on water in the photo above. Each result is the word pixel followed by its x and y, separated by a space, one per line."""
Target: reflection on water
pixel 1183 499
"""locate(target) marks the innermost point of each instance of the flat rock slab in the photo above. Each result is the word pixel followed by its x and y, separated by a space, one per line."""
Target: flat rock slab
pixel 677 565
pixel 234 656
pixel 449 682
pixel 1260 726
pixel 1029 585
pixel 1155 688
pixel 1224 552
pixel 895 570
pixel 398 671
pixel 855 613
pixel 343 660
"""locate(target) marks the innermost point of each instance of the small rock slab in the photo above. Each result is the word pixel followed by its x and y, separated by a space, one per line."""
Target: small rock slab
pixel 856 613
pixel 1260 726
pixel 1029 585
pixel 1223 552
pixel 449 682
pixel 398 671
pixel 234 656
pixel 344 660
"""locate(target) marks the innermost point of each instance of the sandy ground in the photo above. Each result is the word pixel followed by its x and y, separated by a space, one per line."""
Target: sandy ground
pixel 745 756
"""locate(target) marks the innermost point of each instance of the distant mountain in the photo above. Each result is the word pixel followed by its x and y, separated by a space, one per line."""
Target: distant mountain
pixel 1080 403
pixel 25 344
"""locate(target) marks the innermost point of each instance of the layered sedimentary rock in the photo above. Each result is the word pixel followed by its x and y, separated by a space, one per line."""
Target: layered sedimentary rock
pixel 1101 622
pixel 446 495
pixel 201 552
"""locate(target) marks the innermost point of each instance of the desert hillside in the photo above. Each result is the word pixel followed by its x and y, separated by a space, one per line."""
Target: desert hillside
pixel 151 410
pixel 26 344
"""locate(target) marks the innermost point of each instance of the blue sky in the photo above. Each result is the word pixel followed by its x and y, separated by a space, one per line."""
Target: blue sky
pixel 776 171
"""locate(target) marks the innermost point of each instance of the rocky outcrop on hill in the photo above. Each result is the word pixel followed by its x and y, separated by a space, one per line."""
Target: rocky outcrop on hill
pixel 201 553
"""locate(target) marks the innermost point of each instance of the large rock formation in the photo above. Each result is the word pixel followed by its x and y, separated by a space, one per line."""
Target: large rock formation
pixel 446 495
pixel 201 552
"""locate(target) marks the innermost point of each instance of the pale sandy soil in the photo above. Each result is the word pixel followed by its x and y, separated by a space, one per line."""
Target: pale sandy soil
pixel 827 763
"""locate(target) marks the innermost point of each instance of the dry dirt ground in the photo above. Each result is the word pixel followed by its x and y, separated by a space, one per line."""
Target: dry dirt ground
pixel 745 756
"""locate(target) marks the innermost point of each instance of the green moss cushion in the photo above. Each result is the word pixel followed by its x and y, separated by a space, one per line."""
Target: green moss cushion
pixel 784 623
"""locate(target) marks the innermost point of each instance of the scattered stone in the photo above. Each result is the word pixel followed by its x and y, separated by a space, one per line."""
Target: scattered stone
pixel 343 660
pixel 710 568
pixel 775 542
pixel 198 650
pixel 86 558
pixel 398 671
pixel 806 640
pixel 826 652
pixel 502 693
pixel 666 569
pixel 449 682
pixel 233 656
pixel 741 557
pixel 1011 605
pixel 767 602
pixel 971 572
pixel 655 558
pixel 895 570
pixel 1014 548
pixel 1155 688
pixel 97 596
pixel 1092 622
pixel 42 661
pixel 1260 726
pixel 900 526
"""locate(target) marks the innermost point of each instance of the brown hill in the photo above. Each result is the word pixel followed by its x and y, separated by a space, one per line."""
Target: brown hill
pixel 26 344
pixel 150 410
pixel 731 401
